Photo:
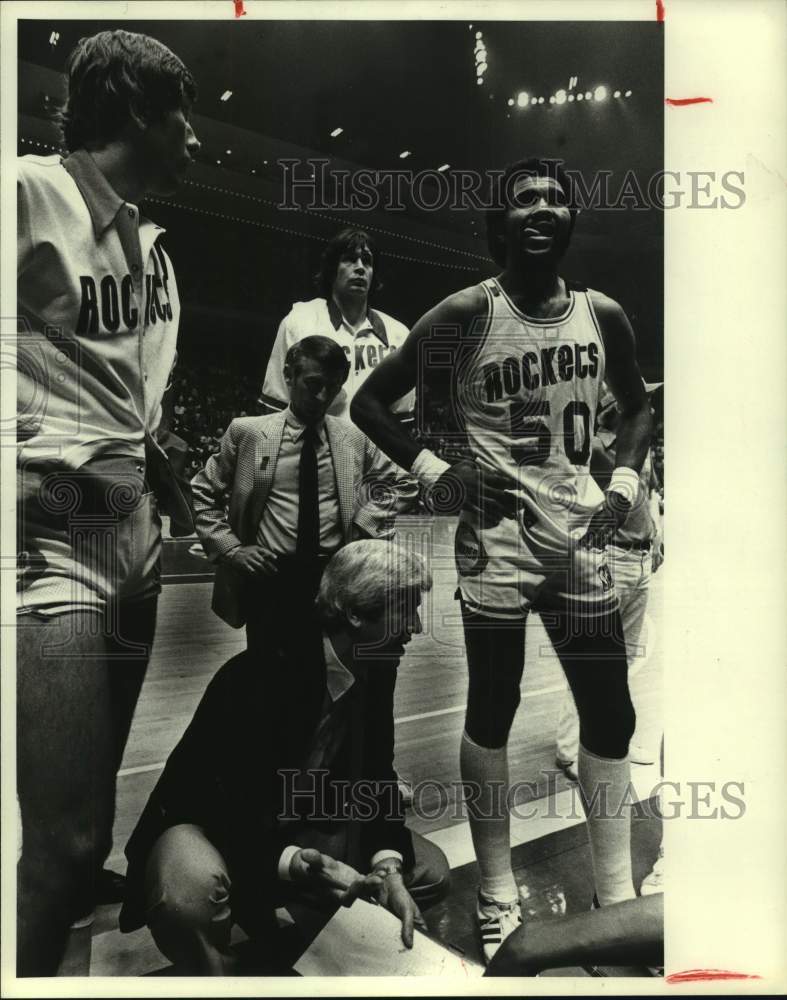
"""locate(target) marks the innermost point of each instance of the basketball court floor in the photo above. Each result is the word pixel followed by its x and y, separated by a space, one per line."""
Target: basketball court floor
pixel 551 855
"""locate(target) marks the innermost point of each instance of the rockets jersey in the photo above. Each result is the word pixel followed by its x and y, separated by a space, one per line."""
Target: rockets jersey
pixel 528 393
pixel 98 314
pixel 379 336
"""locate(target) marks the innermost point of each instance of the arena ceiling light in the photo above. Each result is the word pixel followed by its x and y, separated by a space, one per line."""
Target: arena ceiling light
pixel 336 132
pixel 560 97
pixel 600 93
pixel 523 98
pixel 511 102
pixel 628 93
pixel 588 96
pixel 404 154
pixel 444 167
pixel 479 35
pixel 480 58
pixel 54 38
pixel 534 100
pixel 570 98
pixel 226 95
pixel 228 152
pixel 580 97
pixel 541 100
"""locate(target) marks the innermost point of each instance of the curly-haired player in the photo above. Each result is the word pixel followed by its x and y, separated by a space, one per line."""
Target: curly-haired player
pixel 349 273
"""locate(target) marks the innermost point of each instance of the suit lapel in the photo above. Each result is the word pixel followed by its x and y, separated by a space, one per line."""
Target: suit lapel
pixel 266 452
pixel 344 470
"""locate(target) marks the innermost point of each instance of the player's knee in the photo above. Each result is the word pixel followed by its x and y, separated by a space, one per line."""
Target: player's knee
pixel 489 726
pixel 608 734
pixel 62 865
pixel 86 849
pixel 627 721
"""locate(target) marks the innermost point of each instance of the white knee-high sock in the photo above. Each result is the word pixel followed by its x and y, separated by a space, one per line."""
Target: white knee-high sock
pixel 608 832
pixel 486 771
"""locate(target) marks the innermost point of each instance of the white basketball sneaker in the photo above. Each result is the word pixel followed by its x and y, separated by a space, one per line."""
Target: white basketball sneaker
pixel 496 921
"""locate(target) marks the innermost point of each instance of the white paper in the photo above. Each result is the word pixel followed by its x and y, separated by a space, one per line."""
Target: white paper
pixel 365 940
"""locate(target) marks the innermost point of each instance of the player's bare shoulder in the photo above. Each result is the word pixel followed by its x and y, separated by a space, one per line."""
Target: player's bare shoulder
pixel 462 308
pixel 446 327
pixel 613 322
pixel 449 320
pixel 605 307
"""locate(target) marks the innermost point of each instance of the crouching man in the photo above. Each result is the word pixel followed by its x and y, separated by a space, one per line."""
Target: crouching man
pixel 264 804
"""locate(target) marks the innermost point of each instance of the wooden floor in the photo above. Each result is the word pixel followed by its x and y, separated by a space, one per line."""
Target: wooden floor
pixel 192 643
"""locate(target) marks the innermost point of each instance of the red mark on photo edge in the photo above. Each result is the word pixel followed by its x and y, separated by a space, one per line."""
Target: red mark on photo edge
pixel 239 11
pixel 706 975
pixel 679 102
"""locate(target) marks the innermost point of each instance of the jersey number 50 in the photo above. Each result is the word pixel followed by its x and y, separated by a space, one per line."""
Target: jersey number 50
pixel 536 436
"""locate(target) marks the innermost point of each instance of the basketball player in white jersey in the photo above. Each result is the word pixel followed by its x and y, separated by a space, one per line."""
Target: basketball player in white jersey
pixel 99 311
pixel 529 352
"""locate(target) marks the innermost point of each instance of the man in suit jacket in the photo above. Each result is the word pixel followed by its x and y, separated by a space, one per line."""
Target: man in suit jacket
pixel 270 519
pixel 261 804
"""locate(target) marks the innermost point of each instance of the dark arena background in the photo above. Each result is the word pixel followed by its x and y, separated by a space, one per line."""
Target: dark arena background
pixel 362 96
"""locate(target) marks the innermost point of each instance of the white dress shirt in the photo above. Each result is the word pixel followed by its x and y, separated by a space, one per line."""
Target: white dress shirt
pixel 278 530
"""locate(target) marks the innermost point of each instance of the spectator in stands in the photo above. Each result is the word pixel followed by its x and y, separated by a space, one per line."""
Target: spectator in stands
pixel 206 400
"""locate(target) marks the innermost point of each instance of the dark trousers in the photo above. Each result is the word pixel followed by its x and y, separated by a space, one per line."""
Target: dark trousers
pixel 189 899
pixel 280 608
pixel 77 687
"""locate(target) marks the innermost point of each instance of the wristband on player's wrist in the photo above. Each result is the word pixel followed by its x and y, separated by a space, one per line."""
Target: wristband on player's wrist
pixel 428 467
pixel 625 483
pixel 618 504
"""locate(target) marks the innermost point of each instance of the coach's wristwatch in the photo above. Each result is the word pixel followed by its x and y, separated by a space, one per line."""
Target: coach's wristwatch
pixel 389 867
